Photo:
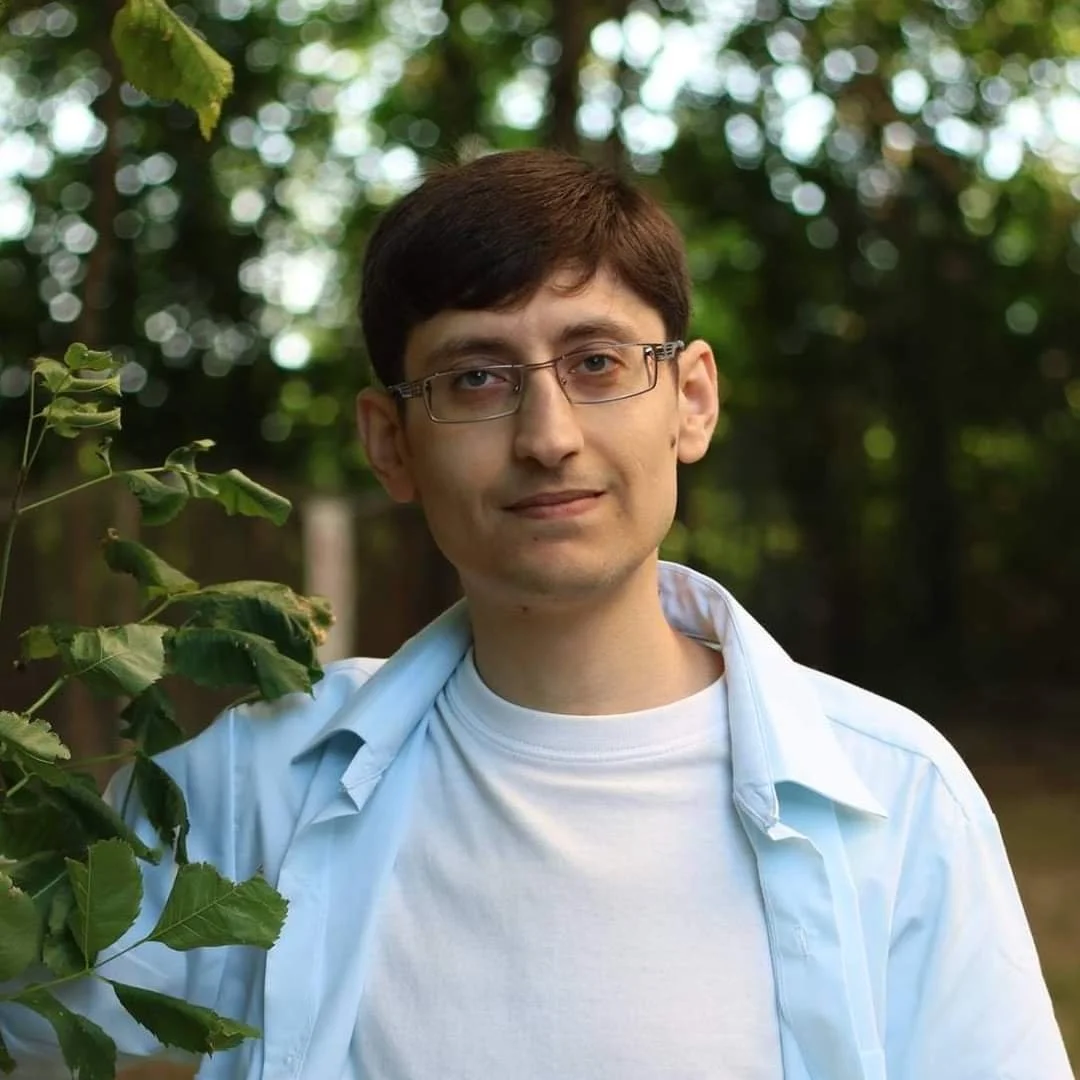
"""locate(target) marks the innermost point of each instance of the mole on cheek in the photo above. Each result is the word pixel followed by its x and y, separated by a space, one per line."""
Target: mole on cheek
pixel 674 440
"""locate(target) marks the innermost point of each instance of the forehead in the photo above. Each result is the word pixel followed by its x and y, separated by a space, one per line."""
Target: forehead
pixel 562 312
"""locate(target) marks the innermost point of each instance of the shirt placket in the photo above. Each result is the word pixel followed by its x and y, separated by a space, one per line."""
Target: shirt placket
pixel 822 981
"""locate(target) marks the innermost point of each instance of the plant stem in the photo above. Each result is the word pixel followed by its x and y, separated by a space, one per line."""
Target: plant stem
pixel 134 945
pixel 83 486
pixel 154 612
pixel 37 447
pixel 102 759
pixel 50 984
pixel 48 885
pixel 47 696
pixel 61 494
pixel 127 796
pixel 9 540
pixel 29 426
pixel 17 786
pixel 20 483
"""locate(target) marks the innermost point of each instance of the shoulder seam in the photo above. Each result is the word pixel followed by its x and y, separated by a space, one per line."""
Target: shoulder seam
pixel 957 801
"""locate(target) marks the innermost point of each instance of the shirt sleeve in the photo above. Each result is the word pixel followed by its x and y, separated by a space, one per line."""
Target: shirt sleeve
pixel 193 975
pixel 966 997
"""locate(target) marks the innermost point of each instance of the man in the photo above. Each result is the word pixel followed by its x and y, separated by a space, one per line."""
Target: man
pixel 592 822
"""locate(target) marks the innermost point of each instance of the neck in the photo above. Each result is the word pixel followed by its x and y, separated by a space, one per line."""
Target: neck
pixel 607 654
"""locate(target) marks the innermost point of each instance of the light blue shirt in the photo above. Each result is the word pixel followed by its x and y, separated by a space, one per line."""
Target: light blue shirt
pixel 899 946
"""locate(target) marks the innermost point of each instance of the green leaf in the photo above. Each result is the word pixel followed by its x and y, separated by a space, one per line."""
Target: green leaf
pixel 52 373
pixel 88 1052
pixel 36 828
pixel 60 954
pixel 7 1062
pixel 182 462
pixel 71 793
pixel 78 356
pixel 158 502
pixel 218 657
pixel 295 624
pixel 206 909
pixel 164 804
pixel 59 949
pixel 40 875
pixel 108 891
pixel 153 573
pixel 239 494
pixel 150 721
pixel 32 737
pixel 117 659
pixel 103 450
pixel 20 930
pixel 182 459
pixel 60 379
pixel 47 640
pixel 200 485
pixel 69 418
pixel 163 57
pixel 42 642
pixel 179 1023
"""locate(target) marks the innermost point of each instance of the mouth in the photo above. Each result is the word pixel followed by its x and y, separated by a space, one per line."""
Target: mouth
pixel 555 503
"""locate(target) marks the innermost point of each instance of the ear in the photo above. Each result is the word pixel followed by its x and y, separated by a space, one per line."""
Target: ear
pixel 383 436
pixel 699 401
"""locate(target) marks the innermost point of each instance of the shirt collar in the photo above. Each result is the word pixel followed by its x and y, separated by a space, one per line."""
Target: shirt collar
pixel 385 709
pixel 779 733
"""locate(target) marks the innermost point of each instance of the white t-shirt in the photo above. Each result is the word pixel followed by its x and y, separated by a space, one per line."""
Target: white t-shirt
pixel 574 899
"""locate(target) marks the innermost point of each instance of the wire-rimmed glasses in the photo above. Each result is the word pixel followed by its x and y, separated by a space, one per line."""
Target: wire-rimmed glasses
pixel 593 375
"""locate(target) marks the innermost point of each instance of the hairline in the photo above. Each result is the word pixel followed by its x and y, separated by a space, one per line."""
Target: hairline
pixel 520 300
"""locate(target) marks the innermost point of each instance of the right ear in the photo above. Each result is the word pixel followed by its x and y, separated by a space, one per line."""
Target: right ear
pixel 382 433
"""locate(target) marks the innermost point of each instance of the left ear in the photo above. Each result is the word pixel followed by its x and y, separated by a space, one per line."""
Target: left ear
pixel 383 436
pixel 699 401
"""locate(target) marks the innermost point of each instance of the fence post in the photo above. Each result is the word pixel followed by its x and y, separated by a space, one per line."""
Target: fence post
pixel 329 532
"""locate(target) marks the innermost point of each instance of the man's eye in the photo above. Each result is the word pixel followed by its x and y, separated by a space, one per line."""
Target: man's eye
pixel 599 363
pixel 478 379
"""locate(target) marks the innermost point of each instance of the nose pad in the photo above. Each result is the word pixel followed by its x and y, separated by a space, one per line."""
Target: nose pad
pixel 542 387
pixel 546 372
pixel 539 382
pixel 547 428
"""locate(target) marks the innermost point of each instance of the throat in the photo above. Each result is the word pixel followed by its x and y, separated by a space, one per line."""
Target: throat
pixel 590 665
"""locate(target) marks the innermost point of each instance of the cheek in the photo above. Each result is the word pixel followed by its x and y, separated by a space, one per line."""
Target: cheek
pixel 650 457
pixel 451 480
pixel 438 482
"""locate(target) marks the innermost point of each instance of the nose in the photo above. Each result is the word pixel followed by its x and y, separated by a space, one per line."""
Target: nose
pixel 546 423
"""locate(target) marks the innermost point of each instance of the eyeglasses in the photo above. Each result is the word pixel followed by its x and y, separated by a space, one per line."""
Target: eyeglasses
pixel 590 376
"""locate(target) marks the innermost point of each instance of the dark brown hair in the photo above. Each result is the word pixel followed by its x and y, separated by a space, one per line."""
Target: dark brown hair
pixel 487 234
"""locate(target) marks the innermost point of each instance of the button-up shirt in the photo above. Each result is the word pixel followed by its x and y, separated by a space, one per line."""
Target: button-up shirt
pixel 899 946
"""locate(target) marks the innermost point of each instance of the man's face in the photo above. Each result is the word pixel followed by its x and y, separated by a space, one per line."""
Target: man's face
pixel 475 481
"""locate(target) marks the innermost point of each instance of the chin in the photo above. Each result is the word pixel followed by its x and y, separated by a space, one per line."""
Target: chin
pixel 558 578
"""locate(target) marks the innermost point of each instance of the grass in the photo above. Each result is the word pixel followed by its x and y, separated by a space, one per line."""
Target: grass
pixel 1041 833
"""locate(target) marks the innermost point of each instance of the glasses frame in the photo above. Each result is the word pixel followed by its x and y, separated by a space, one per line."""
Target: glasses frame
pixel 421 388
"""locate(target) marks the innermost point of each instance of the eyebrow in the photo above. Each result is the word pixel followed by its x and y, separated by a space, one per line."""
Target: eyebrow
pixel 585 331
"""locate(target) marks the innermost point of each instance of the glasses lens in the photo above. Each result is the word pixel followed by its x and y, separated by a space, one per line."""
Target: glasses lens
pixel 607 372
pixel 474 393
pixel 598 373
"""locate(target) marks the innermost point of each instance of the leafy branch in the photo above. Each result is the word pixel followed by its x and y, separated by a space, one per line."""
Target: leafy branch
pixel 70 883
pixel 165 58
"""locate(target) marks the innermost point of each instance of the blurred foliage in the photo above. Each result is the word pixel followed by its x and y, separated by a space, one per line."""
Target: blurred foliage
pixel 881 200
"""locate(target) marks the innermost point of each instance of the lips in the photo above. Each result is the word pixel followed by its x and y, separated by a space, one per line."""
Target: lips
pixel 553 498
